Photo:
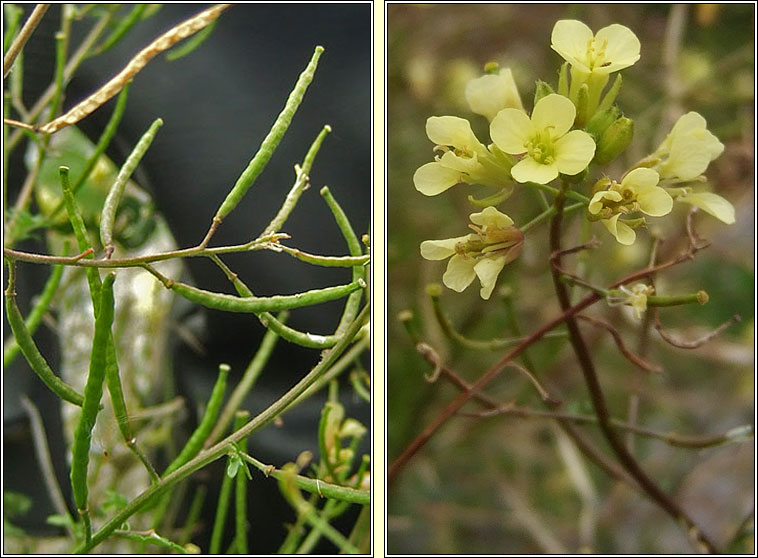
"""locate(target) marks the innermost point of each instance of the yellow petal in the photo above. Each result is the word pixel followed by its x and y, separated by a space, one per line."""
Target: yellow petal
pixel 570 39
pixel 488 95
pixel 441 249
pixel 655 201
pixel 511 130
pixel 433 178
pixel 711 203
pixel 596 203
pixel 491 218
pixel 622 47
pixel 459 274
pixel 529 170
pixel 624 233
pixel 555 112
pixel 451 131
pixel 639 179
pixel 574 151
pixel 488 270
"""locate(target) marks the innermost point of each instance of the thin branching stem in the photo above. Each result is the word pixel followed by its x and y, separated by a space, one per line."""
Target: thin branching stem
pixel 627 460
pixel 23 36
pixel 451 409
pixel 209 455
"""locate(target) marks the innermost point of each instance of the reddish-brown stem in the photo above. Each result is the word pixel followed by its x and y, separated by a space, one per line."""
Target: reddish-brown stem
pixel 459 401
pixel 587 366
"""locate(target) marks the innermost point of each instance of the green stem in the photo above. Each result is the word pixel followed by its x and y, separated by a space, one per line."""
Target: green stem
pixel 475 344
pixel 220 449
pixel 240 495
pixel 549 212
pixel 121 29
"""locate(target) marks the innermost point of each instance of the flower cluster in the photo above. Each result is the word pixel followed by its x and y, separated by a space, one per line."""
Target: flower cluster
pixel 570 131
pixel 496 242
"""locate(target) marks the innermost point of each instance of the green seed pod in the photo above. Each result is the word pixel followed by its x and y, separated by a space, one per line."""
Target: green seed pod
pixel 614 140
pixel 33 356
pixel 93 391
pixel 257 305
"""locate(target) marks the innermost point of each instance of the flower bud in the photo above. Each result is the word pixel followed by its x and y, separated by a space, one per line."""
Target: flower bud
pixel 614 140
pixel 542 89
pixel 601 121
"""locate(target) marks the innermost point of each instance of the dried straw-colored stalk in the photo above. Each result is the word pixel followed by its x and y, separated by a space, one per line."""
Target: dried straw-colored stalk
pixel 110 89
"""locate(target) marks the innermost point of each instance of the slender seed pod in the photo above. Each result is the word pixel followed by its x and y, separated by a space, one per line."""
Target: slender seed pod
pixel 325 261
pixel 32 354
pixel 271 141
pixel 301 183
pixel 108 215
pixel 32 322
pixel 196 441
pixel 354 246
pixel 257 305
pixel 80 231
pixel 275 324
pixel 113 381
pixel 93 279
pixel 93 391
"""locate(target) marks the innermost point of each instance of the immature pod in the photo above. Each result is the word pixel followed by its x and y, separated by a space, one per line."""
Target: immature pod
pixel 271 141
pixel 35 359
pixel 93 391
pixel 257 305
pixel 108 216
pixel 34 319
pixel 195 443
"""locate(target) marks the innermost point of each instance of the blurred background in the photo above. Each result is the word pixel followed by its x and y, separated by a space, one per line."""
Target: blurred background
pixel 509 485
pixel 217 104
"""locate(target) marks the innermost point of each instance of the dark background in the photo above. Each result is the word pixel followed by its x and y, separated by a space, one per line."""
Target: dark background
pixel 217 105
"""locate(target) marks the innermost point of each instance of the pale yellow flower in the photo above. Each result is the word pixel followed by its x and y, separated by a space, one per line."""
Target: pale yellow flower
pixel 464 160
pixel 489 94
pixel 687 150
pixel 549 148
pixel 638 191
pixel 496 243
pixel 611 49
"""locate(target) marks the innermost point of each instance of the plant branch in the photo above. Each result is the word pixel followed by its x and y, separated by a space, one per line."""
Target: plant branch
pixel 220 449
pixel 598 400
pixel 23 36
pixel 584 445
